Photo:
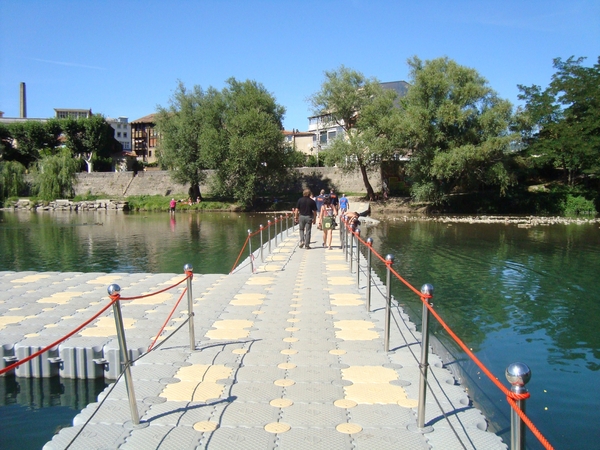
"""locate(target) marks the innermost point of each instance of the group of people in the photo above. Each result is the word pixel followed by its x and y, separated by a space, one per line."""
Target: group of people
pixel 321 211
pixel 189 201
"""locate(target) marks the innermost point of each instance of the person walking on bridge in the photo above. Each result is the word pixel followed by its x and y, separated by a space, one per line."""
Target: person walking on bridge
pixel 306 213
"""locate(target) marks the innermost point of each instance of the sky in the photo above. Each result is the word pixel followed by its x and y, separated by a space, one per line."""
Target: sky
pixel 125 58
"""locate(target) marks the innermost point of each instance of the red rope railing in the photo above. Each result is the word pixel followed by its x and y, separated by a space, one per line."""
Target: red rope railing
pixel 510 396
pixel 167 321
pixel 252 234
pixel 113 298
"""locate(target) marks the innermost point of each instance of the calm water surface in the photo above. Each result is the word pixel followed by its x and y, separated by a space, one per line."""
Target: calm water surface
pixel 512 294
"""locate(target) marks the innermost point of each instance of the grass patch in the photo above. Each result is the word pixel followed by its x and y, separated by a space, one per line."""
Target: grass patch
pixel 161 203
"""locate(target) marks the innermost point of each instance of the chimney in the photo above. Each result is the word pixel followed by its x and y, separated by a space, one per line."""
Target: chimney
pixel 23 102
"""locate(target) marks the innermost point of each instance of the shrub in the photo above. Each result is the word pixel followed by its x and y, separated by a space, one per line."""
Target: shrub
pixel 578 205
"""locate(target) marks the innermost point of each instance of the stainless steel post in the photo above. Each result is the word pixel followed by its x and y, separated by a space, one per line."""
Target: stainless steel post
pixel 389 260
pixel 281 226
pixel 287 225
pixel 262 258
pixel 369 253
pixel 275 231
pixel 518 375
pixel 269 234
pixel 426 289
pixel 115 289
pixel 351 251
pixel 189 270
pixel 346 233
pixel 250 251
pixel 358 258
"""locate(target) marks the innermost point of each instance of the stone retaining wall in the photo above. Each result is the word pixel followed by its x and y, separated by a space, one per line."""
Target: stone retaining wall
pixel 159 182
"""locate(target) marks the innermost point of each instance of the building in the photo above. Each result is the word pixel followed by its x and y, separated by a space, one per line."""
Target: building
pixel 301 141
pixel 122 131
pixel 62 113
pixel 144 138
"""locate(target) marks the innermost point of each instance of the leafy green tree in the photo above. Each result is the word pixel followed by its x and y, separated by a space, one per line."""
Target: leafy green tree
pixel 54 175
pixel 561 124
pixel 5 141
pixel 90 139
pixel 191 133
pixel 367 115
pixel 455 130
pixel 29 139
pixel 12 180
pixel 251 157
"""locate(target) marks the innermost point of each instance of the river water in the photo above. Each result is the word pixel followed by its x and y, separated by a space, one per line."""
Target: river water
pixel 511 294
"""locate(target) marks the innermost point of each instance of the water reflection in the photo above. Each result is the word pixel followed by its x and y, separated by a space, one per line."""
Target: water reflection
pixel 38 408
pixel 118 242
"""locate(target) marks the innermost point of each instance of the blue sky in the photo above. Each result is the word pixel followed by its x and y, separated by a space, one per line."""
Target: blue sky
pixel 123 58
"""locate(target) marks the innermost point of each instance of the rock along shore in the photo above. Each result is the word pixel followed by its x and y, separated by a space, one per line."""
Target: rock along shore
pixel 68 205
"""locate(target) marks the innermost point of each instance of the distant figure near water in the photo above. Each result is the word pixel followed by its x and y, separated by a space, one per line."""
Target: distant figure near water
pixel 172 205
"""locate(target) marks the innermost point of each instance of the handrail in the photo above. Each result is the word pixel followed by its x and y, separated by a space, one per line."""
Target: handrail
pixel 260 230
pixel 113 299
pixel 57 342
pixel 510 396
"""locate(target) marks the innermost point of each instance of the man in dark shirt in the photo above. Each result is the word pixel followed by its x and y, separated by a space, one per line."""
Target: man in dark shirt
pixel 334 199
pixel 306 212
pixel 319 200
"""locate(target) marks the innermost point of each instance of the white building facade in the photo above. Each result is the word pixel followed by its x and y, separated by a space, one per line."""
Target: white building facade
pixel 122 131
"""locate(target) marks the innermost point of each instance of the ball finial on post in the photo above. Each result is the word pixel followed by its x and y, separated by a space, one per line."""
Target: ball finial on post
pixel 114 289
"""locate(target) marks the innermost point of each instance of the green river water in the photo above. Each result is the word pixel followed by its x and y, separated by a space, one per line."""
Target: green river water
pixel 511 294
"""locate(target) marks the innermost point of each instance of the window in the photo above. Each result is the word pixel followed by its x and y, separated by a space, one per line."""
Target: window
pixel 331 135
pixel 124 133
pixel 323 137
pixel 118 134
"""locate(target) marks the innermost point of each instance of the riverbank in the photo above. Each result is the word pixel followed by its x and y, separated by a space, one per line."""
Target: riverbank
pixel 393 209
pixel 402 209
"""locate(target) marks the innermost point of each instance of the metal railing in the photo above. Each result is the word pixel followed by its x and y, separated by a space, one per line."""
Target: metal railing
pixel 517 374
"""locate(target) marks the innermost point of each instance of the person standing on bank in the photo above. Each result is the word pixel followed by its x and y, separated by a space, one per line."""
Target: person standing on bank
pixel 306 214
pixel 326 218
pixel 172 205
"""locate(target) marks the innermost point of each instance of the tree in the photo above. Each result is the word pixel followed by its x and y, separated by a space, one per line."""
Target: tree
pixel 366 113
pixel 54 175
pixel 455 129
pixel 90 139
pixel 12 181
pixel 252 157
pixel 29 139
pixel 5 141
pixel 191 133
pixel 561 124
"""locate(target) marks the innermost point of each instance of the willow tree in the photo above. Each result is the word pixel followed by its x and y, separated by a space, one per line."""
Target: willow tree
pixel 366 113
pixel 12 179
pixel 54 175
pixel 189 130
pixel 455 130
pixel 252 157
